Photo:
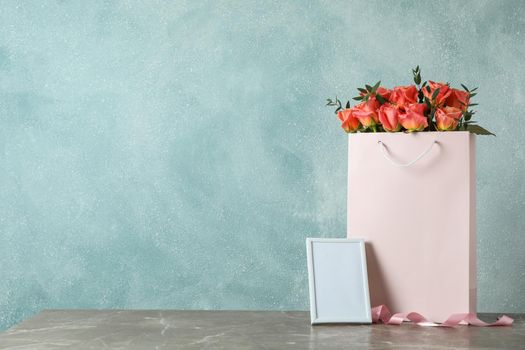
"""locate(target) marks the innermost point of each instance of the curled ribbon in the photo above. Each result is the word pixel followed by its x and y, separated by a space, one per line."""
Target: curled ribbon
pixel 382 314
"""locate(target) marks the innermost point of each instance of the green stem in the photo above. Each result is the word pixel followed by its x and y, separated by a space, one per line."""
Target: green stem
pixel 430 118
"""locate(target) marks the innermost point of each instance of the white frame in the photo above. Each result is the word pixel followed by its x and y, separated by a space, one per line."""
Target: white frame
pixel 315 319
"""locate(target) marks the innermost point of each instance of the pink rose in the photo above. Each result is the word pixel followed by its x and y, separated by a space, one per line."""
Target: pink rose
pixel 414 118
pixel 350 122
pixel 404 95
pixel 389 118
pixel 447 118
pixel 366 112
pixel 443 94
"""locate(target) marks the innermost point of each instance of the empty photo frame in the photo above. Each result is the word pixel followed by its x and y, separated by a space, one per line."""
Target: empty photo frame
pixel 338 281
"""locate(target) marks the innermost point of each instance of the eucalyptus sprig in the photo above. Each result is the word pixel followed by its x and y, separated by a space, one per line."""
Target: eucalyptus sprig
pixel 417 75
pixel 467 115
pixel 336 103
pixel 369 91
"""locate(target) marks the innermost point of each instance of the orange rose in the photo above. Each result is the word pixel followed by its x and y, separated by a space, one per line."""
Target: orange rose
pixel 403 95
pixel 458 99
pixel 447 118
pixel 414 118
pixel 350 122
pixel 389 118
pixel 366 112
pixel 384 93
pixel 444 92
pixel 419 108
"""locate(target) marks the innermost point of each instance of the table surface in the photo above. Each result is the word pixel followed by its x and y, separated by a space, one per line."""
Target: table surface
pixel 171 329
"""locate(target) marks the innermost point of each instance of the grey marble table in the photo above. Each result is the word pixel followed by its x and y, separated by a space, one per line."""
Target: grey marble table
pixel 115 329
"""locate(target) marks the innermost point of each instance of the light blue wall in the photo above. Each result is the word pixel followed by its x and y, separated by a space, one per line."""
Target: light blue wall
pixel 176 154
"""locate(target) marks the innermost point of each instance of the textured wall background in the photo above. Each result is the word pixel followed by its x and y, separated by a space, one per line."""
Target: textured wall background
pixel 177 154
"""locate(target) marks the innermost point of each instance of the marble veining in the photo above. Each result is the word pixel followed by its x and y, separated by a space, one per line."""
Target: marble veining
pixel 170 329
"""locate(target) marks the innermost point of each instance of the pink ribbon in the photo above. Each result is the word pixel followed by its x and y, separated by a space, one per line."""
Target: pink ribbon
pixel 382 314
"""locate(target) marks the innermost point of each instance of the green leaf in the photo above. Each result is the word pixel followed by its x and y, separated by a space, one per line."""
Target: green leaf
pixel 473 104
pixel 368 88
pixel 428 89
pixel 465 88
pixel 362 90
pixel 420 96
pixel 474 89
pixel 374 88
pixel 435 94
pixel 347 104
pixel 474 94
pixel 478 130
pixel 380 99
pixel 358 98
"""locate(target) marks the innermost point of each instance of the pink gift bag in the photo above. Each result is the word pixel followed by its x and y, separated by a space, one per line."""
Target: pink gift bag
pixel 412 198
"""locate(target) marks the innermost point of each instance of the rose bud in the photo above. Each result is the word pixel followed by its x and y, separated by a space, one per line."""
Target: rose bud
pixel 443 94
pixel 414 118
pixel 366 112
pixel 447 118
pixel 389 118
pixel 383 92
pixel 404 95
pixel 349 122
pixel 458 99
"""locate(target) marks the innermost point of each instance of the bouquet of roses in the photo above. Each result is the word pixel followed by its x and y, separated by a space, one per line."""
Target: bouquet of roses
pixel 429 106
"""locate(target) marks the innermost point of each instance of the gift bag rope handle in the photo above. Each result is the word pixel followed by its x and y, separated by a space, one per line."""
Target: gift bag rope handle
pixel 421 156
